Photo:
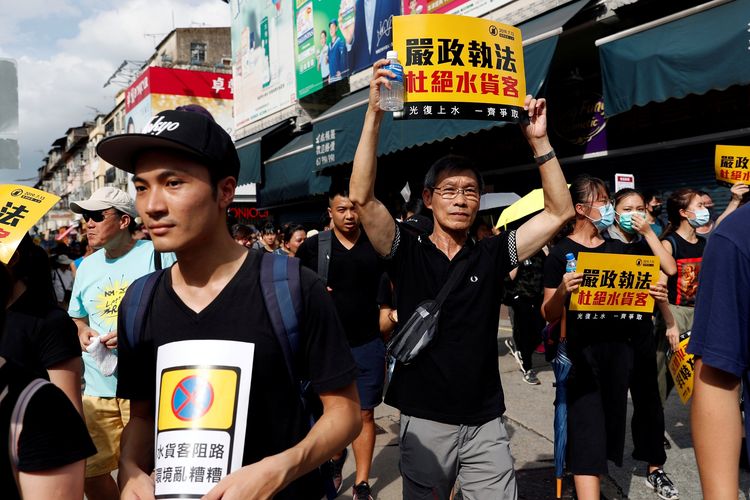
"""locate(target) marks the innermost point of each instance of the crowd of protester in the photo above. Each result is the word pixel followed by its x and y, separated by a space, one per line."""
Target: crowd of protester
pixel 364 274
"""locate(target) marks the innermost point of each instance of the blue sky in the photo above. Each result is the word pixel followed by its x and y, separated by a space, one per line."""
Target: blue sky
pixel 66 50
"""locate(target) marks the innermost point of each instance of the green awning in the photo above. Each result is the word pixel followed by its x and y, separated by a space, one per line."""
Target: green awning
pixel 288 174
pixel 336 132
pixel 691 52
pixel 249 151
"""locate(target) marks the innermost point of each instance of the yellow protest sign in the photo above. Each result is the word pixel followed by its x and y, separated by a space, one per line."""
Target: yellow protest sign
pixel 200 398
pixel 615 284
pixel 682 367
pixel 460 67
pixel 732 164
pixel 20 208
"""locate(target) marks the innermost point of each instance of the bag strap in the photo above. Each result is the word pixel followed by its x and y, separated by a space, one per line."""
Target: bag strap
pixel 455 275
pixel 136 304
pixel 672 241
pixel 282 294
pixel 324 254
pixel 16 420
pixel 157 260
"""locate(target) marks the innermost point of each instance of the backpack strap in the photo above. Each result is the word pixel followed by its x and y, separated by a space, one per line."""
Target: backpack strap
pixel 324 255
pixel 136 303
pixel 282 294
pixel 16 420
pixel 672 241
pixel 158 265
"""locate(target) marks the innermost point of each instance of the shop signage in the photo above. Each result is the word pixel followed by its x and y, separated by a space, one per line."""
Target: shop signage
pixel 263 59
pixel 474 8
pixel 615 286
pixel 623 181
pixel 460 67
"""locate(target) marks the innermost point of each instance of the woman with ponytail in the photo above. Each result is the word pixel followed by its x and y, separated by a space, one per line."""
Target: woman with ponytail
pixel 600 349
pixel 686 213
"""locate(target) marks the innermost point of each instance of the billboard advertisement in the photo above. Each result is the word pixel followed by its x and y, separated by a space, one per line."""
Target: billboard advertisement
pixel 263 60
pixel 335 38
pixel 159 89
pixel 475 8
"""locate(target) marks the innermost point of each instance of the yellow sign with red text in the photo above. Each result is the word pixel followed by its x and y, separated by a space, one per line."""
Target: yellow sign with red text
pixel 615 283
pixel 682 367
pixel 20 208
pixel 460 67
pixel 732 164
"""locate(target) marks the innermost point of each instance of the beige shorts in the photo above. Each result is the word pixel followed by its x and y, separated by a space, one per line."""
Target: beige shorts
pixel 105 420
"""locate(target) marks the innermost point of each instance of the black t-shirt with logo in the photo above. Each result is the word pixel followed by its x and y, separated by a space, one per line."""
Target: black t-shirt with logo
pixel 456 379
pixel 275 418
pixel 354 278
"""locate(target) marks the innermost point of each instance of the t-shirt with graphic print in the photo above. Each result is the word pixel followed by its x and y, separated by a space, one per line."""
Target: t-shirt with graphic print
pixel 98 289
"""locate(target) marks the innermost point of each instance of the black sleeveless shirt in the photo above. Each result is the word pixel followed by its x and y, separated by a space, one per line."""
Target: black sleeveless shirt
pixel 683 287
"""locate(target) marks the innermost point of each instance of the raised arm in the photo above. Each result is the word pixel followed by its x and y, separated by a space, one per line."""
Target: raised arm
pixel 558 207
pixel 378 223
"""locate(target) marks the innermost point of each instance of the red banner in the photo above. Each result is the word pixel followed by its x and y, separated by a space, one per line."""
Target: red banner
pixel 156 80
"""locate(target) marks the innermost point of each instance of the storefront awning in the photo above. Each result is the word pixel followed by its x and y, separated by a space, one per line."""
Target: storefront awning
pixel 336 132
pixel 691 52
pixel 249 151
pixel 288 174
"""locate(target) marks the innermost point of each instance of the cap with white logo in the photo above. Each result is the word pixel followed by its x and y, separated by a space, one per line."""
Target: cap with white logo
pixel 191 133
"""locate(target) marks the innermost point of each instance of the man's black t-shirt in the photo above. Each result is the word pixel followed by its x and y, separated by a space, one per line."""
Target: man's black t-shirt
pixel 38 337
pixel 275 418
pixel 456 379
pixel 53 433
pixel 354 278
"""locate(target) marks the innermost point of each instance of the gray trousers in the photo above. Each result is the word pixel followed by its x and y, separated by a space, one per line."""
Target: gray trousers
pixel 434 455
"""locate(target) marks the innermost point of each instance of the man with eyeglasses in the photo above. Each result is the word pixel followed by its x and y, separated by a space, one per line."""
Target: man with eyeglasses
pixel 450 395
pixel 100 283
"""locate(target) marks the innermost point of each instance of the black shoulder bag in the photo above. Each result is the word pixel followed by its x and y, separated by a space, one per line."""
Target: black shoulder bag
pixel 417 333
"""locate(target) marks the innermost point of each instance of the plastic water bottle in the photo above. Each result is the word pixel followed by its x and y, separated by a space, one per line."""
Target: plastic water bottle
pixel 570 263
pixel 393 99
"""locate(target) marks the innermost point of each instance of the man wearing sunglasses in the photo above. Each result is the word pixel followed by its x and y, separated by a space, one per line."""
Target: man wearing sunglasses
pixel 101 281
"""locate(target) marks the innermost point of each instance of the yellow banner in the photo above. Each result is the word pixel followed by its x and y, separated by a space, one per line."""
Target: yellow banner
pixel 20 208
pixel 682 368
pixel 615 283
pixel 460 67
pixel 197 398
pixel 732 164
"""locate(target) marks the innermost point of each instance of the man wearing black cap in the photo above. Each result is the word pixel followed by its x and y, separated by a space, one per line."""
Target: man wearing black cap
pixel 186 169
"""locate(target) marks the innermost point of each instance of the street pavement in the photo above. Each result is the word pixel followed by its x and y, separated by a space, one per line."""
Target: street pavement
pixel 529 419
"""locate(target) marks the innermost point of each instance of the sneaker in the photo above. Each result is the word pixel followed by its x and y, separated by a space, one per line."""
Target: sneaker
pixel 362 491
pixel 513 352
pixel 530 378
pixel 662 485
pixel 338 466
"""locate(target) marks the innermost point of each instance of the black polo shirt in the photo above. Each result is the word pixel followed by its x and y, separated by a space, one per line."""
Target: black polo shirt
pixel 456 379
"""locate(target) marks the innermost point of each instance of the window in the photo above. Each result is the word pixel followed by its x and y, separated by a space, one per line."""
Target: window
pixel 197 53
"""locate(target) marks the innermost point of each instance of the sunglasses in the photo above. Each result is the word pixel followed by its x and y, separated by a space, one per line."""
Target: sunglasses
pixel 96 216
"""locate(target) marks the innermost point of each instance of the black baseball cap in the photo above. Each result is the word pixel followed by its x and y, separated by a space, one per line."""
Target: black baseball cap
pixel 194 134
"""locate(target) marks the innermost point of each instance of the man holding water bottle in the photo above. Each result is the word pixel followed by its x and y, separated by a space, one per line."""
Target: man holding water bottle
pixel 450 396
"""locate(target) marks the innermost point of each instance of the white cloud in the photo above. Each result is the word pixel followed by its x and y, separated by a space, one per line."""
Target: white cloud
pixel 55 92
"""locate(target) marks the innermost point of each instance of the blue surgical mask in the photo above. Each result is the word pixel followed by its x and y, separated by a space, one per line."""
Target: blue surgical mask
pixel 702 217
pixel 607 213
pixel 626 221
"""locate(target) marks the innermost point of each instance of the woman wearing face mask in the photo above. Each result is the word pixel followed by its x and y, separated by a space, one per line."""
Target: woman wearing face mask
pixel 647 424
pixel 686 213
pixel 599 349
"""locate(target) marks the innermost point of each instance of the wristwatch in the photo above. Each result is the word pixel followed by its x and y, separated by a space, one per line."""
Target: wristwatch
pixel 541 160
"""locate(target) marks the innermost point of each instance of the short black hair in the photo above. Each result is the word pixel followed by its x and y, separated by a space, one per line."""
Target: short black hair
pixel 339 187
pixel 451 163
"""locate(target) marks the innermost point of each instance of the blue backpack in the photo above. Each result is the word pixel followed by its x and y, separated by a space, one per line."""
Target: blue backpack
pixel 282 296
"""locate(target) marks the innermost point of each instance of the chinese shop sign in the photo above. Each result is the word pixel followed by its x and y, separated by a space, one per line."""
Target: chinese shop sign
pixel 615 286
pixel 20 208
pixel 682 367
pixel 460 67
pixel 732 164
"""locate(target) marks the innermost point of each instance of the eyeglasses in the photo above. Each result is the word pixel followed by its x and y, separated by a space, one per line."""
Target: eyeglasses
pixel 96 216
pixel 450 193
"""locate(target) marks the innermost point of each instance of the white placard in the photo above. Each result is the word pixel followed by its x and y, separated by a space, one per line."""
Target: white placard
pixel 202 395
pixel 623 181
